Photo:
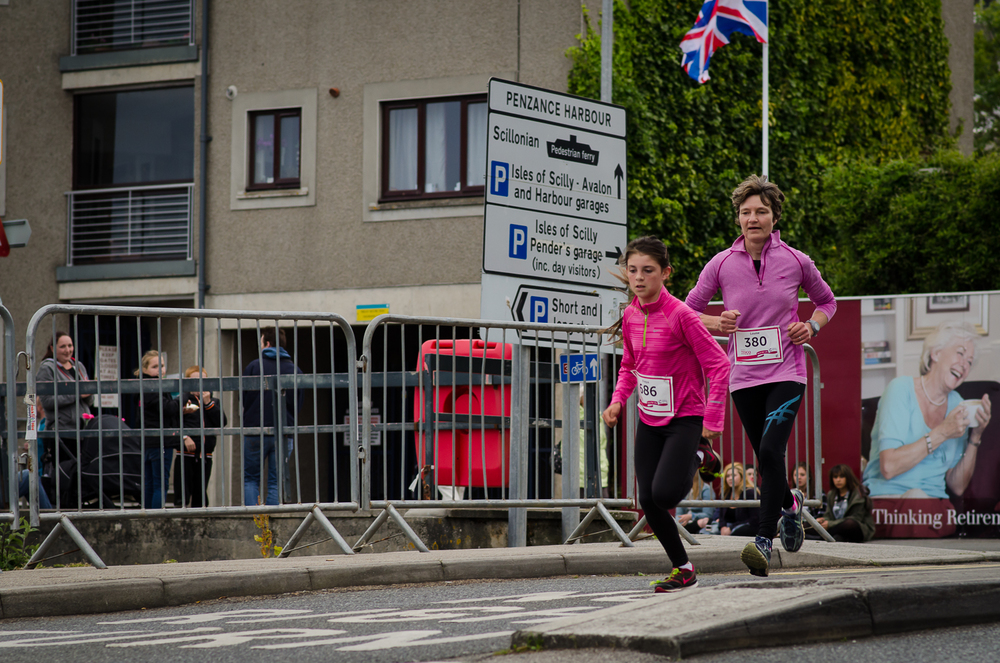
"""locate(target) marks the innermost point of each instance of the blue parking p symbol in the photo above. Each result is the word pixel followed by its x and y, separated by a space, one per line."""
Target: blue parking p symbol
pixel 518 242
pixel 539 309
pixel 498 178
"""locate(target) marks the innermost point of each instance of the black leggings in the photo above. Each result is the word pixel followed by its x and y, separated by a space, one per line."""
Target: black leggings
pixel 665 462
pixel 768 415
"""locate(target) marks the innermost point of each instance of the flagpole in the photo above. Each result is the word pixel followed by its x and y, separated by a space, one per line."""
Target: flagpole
pixel 764 115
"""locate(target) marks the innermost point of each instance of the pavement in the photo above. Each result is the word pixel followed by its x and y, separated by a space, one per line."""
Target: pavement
pixel 826 590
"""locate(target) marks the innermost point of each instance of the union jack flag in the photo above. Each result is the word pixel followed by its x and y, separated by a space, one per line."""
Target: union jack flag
pixel 718 19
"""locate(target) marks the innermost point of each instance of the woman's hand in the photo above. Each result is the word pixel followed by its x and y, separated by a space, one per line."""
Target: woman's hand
pixel 684 518
pixel 799 332
pixel 610 415
pixel 822 522
pixel 710 434
pixel 727 321
pixel 702 523
pixel 726 531
pixel 953 425
pixel 189 443
pixel 983 417
pixel 206 397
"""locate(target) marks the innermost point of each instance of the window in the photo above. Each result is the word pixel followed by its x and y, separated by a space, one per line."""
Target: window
pixel 134 137
pixel 433 148
pixel 275 138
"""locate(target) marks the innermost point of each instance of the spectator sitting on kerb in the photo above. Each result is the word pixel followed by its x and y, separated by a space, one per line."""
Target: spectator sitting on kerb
pixel 697 519
pixel 924 434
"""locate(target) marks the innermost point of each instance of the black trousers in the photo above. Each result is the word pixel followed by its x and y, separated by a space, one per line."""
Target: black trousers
pixel 768 415
pixel 665 463
pixel 190 486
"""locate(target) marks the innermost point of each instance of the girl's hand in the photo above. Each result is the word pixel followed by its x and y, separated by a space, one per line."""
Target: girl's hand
pixel 189 443
pixel 983 417
pixel 684 518
pixel 725 531
pixel 822 522
pixel 710 434
pixel 206 397
pixel 610 415
pixel 702 522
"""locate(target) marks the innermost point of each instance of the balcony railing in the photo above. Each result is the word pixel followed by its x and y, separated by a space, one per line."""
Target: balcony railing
pixel 130 224
pixel 106 25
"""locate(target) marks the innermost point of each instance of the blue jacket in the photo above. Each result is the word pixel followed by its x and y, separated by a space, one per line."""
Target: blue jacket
pixel 257 413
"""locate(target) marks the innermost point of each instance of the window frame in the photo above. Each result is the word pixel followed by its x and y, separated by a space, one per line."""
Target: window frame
pixel 277 182
pixel 465 191
pixel 77 186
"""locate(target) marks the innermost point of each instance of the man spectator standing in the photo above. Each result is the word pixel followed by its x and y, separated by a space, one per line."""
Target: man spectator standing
pixel 259 412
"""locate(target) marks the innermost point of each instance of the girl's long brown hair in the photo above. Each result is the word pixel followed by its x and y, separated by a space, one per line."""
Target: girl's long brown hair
pixel 647 245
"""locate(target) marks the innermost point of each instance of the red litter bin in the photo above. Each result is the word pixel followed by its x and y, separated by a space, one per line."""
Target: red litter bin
pixel 468 446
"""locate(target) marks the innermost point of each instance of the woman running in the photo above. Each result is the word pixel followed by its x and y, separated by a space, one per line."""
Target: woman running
pixel 668 355
pixel 760 277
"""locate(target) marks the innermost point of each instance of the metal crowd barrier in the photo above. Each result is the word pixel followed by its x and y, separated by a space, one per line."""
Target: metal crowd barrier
pixel 95 464
pixel 476 405
pixel 10 476
pixel 455 414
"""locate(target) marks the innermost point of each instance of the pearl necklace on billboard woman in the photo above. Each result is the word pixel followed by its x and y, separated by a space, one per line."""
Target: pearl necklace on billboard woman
pixel 760 277
pixel 667 356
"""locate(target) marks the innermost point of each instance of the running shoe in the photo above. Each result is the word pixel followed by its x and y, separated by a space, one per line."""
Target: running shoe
pixel 757 556
pixel 677 580
pixel 790 530
pixel 711 467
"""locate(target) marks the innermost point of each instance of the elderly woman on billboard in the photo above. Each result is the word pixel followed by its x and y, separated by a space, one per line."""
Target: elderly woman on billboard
pixel 925 435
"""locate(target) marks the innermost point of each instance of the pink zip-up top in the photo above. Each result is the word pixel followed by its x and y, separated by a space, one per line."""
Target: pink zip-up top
pixel 666 338
pixel 767 299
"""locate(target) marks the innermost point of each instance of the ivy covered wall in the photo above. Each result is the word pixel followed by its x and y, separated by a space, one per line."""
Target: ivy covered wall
pixel 850 80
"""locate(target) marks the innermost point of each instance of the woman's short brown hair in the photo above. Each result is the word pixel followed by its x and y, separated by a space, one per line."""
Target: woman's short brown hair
pixel 769 194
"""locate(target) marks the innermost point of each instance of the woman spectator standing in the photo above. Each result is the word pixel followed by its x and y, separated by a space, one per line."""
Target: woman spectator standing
pixel 760 277
pixel 848 514
pixel 197 449
pixel 67 411
pixel 157 411
pixel 742 520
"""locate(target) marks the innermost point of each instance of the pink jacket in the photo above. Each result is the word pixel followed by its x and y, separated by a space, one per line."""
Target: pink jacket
pixel 764 300
pixel 667 338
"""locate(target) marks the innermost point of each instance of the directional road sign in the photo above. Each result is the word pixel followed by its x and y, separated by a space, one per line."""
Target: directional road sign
pixel 556 201
pixel 579 368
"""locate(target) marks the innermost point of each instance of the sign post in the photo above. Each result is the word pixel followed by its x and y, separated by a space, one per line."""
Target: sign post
pixel 554 228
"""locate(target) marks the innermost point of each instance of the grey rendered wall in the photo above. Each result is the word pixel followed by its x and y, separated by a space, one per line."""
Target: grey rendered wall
pixel 349 44
pixel 38 151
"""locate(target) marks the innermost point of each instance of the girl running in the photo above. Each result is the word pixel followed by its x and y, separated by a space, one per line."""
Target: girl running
pixel 668 355
pixel 760 277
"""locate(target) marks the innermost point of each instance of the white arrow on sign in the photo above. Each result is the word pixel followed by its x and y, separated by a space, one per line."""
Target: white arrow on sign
pixel 18 232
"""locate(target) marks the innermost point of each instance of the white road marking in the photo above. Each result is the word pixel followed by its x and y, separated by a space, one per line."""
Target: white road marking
pixel 213 617
pixel 391 640
pixel 84 639
pixel 215 640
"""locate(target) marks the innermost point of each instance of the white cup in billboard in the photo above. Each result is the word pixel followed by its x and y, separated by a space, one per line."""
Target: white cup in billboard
pixel 972 406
